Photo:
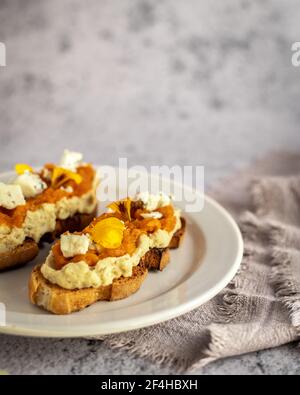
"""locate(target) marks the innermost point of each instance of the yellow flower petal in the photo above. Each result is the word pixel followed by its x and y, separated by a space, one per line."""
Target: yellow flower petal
pixel 21 168
pixel 114 207
pixel 111 238
pixel 60 176
pixel 108 233
pixel 127 204
pixel 122 207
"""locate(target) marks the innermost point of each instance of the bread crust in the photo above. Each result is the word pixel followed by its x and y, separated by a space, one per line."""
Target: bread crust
pixel 19 256
pixel 179 235
pixel 61 301
pixel 29 249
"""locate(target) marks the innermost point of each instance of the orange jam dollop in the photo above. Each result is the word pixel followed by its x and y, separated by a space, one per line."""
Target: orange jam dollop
pixel 16 217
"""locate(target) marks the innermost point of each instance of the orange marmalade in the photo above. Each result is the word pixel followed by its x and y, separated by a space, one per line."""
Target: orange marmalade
pixel 16 217
pixel 134 228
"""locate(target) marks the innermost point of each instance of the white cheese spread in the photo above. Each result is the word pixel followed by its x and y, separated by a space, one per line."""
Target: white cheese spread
pixel 43 220
pixel 80 275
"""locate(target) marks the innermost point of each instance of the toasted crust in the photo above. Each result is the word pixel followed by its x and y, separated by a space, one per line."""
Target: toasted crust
pixel 179 235
pixel 19 256
pixel 63 301
pixel 156 259
pixel 30 249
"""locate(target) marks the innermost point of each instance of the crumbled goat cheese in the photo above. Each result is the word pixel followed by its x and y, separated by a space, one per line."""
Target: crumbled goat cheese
pixel 70 160
pixel 11 196
pixel 72 245
pixel 31 184
pixel 153 202
pixel 154 214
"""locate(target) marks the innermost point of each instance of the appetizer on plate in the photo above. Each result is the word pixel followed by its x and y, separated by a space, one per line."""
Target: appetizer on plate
pixel 110 258
pixel 41 205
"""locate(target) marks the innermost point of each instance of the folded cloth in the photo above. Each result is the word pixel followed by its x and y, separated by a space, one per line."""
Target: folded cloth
pixel 260 308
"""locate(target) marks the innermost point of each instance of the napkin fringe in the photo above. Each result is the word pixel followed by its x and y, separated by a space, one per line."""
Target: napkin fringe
pixel 282 273
pixel 282 278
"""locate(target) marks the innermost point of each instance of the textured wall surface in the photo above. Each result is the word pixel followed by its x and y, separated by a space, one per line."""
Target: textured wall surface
pixel 158 82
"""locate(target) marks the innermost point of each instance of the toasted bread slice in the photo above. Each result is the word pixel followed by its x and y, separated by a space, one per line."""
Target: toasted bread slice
pixel 19 256
pixel 63 301
pixel 30 249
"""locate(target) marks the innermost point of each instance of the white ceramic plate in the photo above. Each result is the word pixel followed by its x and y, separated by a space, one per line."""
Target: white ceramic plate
pixel 192 278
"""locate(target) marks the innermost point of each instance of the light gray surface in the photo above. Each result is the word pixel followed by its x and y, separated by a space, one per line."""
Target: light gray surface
pixel 159 82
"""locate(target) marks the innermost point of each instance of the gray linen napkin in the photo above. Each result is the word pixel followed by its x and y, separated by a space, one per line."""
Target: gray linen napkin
pixel 260 308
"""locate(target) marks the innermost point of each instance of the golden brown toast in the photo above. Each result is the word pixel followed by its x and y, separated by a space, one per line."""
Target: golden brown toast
pixel 19 256
pixel 30 249
pixel 63 301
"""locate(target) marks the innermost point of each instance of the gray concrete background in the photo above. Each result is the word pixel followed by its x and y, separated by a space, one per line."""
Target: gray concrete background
pixel 159 82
